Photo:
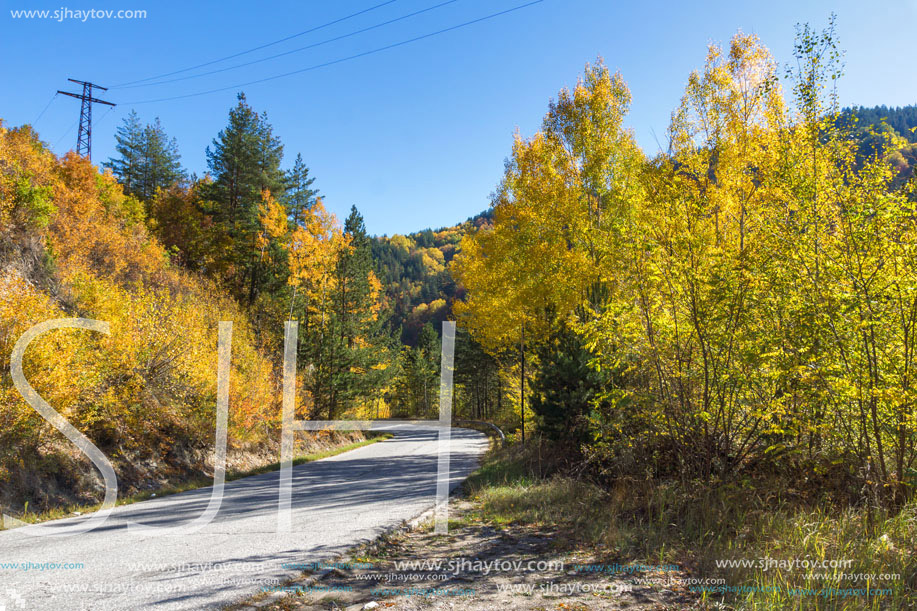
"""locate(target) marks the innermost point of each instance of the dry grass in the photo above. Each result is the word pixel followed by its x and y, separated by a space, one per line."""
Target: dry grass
pixel 698 528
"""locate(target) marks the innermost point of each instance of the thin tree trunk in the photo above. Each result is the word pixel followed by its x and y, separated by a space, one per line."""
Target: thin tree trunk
pixel 522 383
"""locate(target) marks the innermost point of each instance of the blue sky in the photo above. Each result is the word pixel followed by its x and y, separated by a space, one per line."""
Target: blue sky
pixel 414 136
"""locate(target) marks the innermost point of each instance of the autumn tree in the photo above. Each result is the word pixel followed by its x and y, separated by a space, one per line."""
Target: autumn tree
pixel 564 201
pixel 145 394
pixel 744 298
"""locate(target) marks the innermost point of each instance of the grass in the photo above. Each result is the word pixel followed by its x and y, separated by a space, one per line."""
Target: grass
pixel 65 511
pixel 697 528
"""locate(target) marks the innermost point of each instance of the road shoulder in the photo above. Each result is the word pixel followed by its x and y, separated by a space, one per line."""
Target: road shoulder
pixel 477 566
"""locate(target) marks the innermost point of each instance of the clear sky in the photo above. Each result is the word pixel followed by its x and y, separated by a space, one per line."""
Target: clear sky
pixel 415 136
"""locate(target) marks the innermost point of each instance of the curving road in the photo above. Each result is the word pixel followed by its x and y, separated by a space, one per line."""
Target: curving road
pixel 337 502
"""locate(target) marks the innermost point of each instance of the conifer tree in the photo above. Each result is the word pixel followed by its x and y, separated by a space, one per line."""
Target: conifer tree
pixel 147 160
pixel 244 162
pixel 126 167
pixel 347 352
pixel 300 193
pixel 160 161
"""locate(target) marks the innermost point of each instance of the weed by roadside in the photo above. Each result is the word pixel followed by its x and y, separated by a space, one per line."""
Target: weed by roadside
pixel 752 550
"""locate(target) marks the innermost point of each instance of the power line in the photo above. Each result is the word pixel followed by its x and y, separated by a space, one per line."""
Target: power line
pixel 102 118
pixel 258 48
pixel 72 125
pixel 44 110
pixel 312 46
pixel 341 60
pixel 66 133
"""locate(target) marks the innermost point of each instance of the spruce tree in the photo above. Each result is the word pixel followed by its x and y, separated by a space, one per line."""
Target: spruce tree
pixel 147 159
pixel 566 389
pixel 127 166
pixel 428 344
pixel 349 345
pixel 160 161
pixel 300 196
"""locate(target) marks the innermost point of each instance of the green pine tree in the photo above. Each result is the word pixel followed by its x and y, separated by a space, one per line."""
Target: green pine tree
pixel 127 165
pixel 244 161
pixel 300 196
pixel 478 388
pixel 147 159
pixel 348 346
pixel 566 389
pixel 160 162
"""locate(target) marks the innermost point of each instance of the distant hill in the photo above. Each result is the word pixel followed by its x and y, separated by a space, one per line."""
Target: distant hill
pixel 414 272
pixel 902 119
pixel 873 127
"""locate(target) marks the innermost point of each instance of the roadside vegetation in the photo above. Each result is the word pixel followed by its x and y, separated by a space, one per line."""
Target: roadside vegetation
pixel 715 342
pixel 335 444
pixel 700 528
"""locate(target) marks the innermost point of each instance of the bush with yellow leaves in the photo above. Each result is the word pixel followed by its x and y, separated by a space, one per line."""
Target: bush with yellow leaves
pixel 72 244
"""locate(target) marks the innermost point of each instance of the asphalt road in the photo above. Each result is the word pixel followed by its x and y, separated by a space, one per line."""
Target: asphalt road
pixel 336 503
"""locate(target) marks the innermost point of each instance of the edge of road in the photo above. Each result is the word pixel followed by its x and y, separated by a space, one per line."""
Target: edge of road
pixel 68 512
pixel 406 525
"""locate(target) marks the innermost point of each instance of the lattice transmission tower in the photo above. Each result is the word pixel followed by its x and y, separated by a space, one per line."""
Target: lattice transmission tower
pixel 84 137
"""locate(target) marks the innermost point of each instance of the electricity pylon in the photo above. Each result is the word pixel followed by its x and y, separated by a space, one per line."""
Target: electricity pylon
pixel 84 137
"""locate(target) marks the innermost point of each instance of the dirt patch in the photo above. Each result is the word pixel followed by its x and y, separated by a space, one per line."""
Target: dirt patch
pixel 477 567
